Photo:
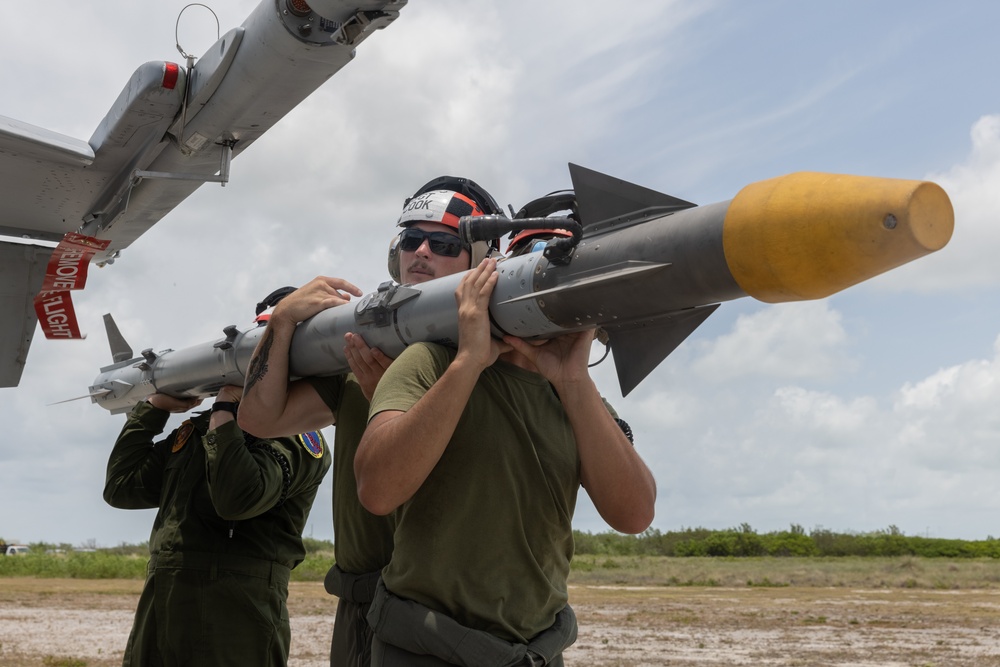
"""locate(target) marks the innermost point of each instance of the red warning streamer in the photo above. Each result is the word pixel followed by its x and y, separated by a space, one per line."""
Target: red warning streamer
pixel 67 270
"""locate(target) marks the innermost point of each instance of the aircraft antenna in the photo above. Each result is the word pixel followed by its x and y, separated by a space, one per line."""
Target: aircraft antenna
pixel 190 60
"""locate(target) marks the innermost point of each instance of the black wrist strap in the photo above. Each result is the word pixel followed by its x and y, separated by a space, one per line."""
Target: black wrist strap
pixel 225 406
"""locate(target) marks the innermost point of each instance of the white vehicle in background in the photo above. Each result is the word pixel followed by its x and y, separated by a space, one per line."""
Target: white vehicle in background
pixel 16 550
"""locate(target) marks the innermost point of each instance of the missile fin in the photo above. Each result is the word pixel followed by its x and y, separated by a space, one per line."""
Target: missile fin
pixel 605 201
pixel 640 346
pixel 120 349
pixel 622 275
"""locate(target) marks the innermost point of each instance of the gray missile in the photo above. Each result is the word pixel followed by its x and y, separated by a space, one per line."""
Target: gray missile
pixel 648 269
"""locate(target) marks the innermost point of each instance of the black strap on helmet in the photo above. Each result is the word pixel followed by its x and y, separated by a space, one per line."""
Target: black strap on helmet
pixel 560 200
pixel 273 298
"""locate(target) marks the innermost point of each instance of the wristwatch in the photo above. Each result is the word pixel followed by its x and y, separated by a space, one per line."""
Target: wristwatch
pixel 225 406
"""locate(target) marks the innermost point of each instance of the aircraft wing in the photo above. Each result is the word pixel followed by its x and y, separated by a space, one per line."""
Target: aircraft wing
pixel 172 128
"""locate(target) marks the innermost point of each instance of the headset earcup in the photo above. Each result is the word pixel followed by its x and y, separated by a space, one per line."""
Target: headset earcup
pixel 393 260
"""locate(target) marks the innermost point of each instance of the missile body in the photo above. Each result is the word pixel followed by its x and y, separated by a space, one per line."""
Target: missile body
pixel 650 279
pixel 649 269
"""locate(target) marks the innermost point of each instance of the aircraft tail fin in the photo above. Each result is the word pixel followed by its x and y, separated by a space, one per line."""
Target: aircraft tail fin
pixel 22 271
pixel 120 349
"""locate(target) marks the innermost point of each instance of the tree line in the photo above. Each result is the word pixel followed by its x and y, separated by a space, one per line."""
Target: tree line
pixel 744 541
pixel 738 542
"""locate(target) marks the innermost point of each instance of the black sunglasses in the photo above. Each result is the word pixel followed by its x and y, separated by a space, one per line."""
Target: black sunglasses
pixel 441 243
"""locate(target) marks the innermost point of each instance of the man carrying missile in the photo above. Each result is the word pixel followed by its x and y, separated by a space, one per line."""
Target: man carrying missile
pixel 479 455
pixel 231 511
pixel 426 248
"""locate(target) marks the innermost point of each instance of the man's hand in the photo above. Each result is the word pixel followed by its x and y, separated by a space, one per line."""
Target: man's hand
pixel 476 344
pixel 560 360
pixel 367 363
pixel 230 394
pixel 315 296
pixel 273 406
pixel 172 404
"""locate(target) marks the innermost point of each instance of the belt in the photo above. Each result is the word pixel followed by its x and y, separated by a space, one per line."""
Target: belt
pixel 412 627
pixel 356 588
pixel 213 563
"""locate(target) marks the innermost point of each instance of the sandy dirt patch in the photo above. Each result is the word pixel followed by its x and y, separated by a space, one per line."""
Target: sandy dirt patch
pixel 84 623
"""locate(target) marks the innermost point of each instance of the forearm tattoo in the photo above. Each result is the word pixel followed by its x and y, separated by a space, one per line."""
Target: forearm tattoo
pixel 258 365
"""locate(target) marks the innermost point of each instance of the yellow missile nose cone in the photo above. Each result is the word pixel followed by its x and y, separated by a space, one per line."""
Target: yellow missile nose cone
pixel 809 235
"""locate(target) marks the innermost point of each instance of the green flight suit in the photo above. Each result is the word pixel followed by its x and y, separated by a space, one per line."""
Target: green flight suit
pixel 232 509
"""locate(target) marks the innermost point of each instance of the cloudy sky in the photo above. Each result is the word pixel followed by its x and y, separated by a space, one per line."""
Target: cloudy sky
pixel 875 407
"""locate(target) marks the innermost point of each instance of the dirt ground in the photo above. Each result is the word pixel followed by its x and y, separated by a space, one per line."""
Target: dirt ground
pixel 84 623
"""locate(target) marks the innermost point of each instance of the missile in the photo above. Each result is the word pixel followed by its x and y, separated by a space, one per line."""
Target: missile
pixel 648 268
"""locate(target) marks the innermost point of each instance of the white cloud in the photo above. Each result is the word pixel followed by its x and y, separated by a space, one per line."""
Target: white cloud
pixel 949 420
pixel 969 259
pixel 799 340
pixel 830 417
pixel 917 457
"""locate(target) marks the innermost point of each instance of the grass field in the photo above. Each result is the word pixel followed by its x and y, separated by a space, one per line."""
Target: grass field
pixel 855 572
pixel 794 612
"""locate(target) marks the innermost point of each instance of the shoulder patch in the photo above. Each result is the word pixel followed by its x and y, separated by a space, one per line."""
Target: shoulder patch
pixel 183 435
pixel 313 442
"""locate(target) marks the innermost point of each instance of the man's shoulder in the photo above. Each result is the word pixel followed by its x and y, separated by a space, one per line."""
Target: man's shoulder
pixel 323 383
pixel 330 388
pixel 611 409
pixel 428 351
pixel 412 373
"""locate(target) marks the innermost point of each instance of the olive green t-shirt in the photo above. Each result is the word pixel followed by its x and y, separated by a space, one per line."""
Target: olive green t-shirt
pixel 487 539
pixel 362 540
